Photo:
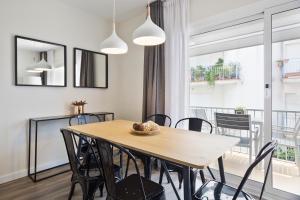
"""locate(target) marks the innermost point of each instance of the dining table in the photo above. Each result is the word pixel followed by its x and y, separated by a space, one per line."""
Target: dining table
pixel 189 149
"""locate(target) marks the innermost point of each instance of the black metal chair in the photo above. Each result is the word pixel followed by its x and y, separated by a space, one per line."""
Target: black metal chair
pixel 80 167
pixel 83 142
pixel 161 120
pixel 81 119
pixel 193 124
pixel 132 187
pixel 84 118
pixel 221 191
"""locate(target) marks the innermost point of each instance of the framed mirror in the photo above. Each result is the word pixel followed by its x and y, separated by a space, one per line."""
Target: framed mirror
pixel 39 63
pixel 90 69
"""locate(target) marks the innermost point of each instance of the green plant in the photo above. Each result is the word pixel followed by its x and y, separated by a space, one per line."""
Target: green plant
pixel 215 72
pixel 210 77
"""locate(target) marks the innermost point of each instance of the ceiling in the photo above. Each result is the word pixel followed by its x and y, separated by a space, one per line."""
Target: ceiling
pixel 125 8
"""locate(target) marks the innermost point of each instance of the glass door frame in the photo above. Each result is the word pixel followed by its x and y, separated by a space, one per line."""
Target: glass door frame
pixel 268 13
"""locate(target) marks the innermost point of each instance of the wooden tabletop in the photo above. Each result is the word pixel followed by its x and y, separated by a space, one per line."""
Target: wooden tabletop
pixel 187 148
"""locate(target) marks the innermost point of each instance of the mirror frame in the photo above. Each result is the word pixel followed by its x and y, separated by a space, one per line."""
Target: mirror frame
pixel 42 41
pixel 74 68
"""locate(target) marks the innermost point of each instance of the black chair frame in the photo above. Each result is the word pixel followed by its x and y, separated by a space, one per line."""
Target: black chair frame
pixel 160 119
pixel 112 196
pixel 80 167
pixel 195 124
pixel 147 161
pixel 192 123
pixel 267 150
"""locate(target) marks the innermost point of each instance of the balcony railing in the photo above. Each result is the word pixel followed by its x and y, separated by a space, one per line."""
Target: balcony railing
pixel 216 72
pixel 281 120
pixel 290 68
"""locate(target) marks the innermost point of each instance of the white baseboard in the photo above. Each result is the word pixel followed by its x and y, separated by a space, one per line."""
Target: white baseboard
pixel 13 176
pixel 23 173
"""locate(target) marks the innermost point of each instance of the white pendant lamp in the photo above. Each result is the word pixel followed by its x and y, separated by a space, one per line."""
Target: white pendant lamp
pixel 114 44
pixel 149 34
pixel 42 66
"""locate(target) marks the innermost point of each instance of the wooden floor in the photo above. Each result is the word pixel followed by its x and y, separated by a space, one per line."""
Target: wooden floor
pixel 58 188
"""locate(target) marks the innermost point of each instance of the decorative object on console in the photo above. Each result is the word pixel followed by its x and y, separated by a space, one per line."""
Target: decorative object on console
pixel 78 107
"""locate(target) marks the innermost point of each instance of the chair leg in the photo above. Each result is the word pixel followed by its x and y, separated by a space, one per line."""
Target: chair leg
pixel 101 189
pixel 72 190
pixel 180 179
pixel 193 180
pixel 85 195
pixel 202 176
pixel 161 174
pixel 127 166
pixel 156 163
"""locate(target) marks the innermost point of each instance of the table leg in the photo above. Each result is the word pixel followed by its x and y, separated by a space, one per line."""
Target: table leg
pixel 147 168
pixel 221 169
pixel 187 183
pixel 29 147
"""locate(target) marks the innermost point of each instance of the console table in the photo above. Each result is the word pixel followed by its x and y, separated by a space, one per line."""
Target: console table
pixel 36 122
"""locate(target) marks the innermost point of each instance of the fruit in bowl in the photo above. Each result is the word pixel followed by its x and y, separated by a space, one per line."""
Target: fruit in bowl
pixel 148 126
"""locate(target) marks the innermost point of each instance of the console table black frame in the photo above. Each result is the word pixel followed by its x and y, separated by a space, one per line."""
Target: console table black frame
pixel 36 121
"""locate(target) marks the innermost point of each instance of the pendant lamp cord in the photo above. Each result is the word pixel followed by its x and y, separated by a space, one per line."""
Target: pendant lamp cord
pixel 114 16
pixel 148 8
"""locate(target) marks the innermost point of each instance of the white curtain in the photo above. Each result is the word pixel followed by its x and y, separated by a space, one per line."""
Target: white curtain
pixel 176 21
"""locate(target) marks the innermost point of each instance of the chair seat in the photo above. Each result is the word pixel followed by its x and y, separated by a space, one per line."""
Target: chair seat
pixel 129 189
pixel 213 190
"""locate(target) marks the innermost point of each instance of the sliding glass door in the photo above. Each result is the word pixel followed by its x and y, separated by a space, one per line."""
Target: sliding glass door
pixel 252 67
pixel 282 97
pixel 227 76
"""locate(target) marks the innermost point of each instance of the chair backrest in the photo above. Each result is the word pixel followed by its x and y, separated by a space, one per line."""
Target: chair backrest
pixel 106 158
pixel 84 118
pixel 233 121
pixel 160 119
pixel 75 160
pixel 196 124
pixel 267 150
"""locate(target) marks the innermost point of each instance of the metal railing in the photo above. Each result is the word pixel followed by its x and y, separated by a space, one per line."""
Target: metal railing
pixel 215 72
pixel 281 120
pixel 290 67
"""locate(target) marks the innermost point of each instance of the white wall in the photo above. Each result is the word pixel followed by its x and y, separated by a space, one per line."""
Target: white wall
pixel 131 68
pixel 55 22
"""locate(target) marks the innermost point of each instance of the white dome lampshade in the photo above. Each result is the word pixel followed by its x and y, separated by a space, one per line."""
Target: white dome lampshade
pixel 149 34
pixel 113 44
pixel 42 66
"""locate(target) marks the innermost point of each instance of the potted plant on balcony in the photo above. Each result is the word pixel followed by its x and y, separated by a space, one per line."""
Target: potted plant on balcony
pixel 240 110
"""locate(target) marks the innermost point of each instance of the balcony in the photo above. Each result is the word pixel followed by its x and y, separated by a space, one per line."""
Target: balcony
pixel 290 69
pixel 286 166
pixel 217 73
